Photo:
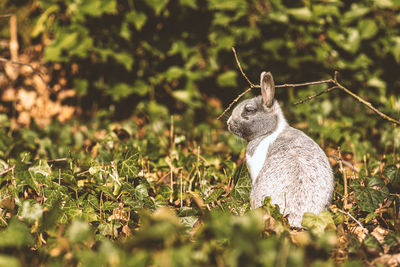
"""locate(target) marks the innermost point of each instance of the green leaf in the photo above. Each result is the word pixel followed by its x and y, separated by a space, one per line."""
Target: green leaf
pixel 120 90
pixel 396 48
pixel 124 58
pixel 227 78
pixel 9 261
pixel 226 4
pixel 393 173
pixel 173 73
pixel 183 95
pixel 52 216
pixel 81 86
pixel 138 19
pixel 94 8
pixel 372 194
pixel 214 195
pixel 367 28
pixel 31 212
pixel 16 235
pixel 300 13
pixel 318 223
pixel 354 13
pixel 78 231
pixel 43 19
pixel 42 169
pixel 140 87
pixel 128 167
pixel 189 3
pixel 63 41
pixel 157 5
pixel 241 191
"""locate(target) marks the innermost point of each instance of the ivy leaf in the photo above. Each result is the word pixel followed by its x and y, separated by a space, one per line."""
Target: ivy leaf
pixel 31 212
pixel 16 235
pixel 128 167
pixel 214 195
pixel 242 182
pixel 317 223
pixel 393 174
pixel 370 196
pixel 78 231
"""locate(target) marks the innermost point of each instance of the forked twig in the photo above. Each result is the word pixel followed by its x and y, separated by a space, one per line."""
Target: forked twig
pixel 334 81
pixel 354 219
pixel 313 96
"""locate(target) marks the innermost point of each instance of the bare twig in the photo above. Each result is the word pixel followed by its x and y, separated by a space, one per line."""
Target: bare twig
pixel 308 98
pixel 369 105
pixel 234 101
pixel 14 37
pixel 354 219
pixel 241 70
pixel 302 84
pixel 334 81
pixel 7 170
pixel 345 163
pixel 5 15
pixel 57 160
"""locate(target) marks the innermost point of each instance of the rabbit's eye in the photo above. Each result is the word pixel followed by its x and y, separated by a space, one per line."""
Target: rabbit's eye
pixel 249 110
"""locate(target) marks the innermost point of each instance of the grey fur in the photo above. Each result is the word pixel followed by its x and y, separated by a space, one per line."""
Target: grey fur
pixel 296 173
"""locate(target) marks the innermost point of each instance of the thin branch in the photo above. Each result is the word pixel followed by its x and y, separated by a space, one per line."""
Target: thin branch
pixel 5 15
pixel 28 65
pixel 308 98
pixel 345 163
pixel 334 81
pixel 368 104
pixel 57 160
pixel 302 84
pixel 233 102
pixel 241 70
pixel 7 170
pixel 354 219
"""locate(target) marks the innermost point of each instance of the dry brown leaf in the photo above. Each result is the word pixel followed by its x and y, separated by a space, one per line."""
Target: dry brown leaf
pixel 359 232
pixel 10 94
pixel 388 260
pixel 380 233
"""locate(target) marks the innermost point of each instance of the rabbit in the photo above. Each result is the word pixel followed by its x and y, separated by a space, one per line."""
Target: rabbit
pixel 284 163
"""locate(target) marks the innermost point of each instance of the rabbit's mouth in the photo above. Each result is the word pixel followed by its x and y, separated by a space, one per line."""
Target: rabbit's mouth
pixel 234 130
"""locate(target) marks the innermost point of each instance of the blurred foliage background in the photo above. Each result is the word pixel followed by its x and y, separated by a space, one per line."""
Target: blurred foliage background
pixel 127 100
pixel 160 57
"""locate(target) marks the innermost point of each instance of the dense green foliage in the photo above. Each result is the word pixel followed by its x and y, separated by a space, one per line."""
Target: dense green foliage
pixel 172 190
pixel 148 53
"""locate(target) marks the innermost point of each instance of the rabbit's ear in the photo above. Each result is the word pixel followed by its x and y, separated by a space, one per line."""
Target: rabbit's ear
pixel 267 88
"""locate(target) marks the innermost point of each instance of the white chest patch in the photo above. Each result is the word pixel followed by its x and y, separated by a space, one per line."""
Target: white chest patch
pixel 256 161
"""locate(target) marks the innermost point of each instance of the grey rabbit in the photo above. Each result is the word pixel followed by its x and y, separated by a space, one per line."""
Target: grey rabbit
pixel 284 163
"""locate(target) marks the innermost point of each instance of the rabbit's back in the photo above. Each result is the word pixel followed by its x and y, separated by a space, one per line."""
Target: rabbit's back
pixel 296 175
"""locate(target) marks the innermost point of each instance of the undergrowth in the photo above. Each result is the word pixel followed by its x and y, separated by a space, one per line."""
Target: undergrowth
pixel 151 193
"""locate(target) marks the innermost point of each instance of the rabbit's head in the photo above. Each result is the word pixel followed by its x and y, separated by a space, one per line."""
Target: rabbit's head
pixel 257 116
